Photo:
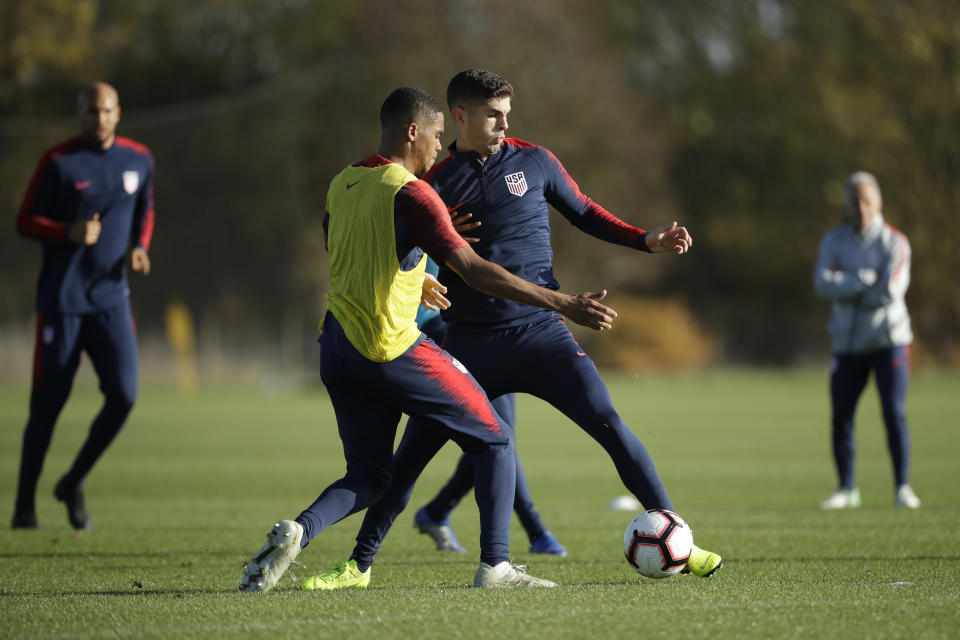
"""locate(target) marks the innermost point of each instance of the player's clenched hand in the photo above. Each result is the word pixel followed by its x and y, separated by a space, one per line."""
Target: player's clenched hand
pixel 431 295
pixel 85 231
pixel 461 224
pixel 139 261
pixel 585 309
pixel 669 238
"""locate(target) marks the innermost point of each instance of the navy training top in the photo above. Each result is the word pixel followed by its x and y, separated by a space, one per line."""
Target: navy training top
pixel 509 194
pixel 73 181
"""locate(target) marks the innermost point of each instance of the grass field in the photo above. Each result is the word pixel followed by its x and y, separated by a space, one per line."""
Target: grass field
pixel 188 491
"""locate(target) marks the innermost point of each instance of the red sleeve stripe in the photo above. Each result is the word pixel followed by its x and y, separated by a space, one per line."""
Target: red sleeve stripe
pixel 146 227
pixel 29 222
pixel 612 226
pixel 38 353
pixel 132 144
pixel 427 221
pixel 148 217
pixel 621 229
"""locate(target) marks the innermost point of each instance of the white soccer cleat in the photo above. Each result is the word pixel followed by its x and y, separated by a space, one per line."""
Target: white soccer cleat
pixel 506 575
pixel 906 497
pixel 263 571
pixel 842 499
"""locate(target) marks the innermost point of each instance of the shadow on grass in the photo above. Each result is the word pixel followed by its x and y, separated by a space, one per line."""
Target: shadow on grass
pixel 176 593
pixel 82 553
pixel 864 558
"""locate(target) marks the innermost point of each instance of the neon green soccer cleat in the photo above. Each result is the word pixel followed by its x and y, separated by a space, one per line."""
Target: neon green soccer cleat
pixel 703 563
pixel 346 574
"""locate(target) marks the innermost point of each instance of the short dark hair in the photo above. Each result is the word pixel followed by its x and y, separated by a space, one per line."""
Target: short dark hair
pixel 476 85
pixel 406 105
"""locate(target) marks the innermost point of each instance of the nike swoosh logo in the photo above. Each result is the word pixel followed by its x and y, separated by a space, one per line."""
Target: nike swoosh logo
pixel 581 353
pixel 82 185
pixel 353 184
pixel 453 209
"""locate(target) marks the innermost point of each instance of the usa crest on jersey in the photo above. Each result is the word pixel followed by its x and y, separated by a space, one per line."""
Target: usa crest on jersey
pixel 516 183
pixel 131 181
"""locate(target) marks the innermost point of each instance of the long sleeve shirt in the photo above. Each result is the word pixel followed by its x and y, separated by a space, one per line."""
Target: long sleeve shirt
pixel 509 194
pixel 865 274
pixel 72 182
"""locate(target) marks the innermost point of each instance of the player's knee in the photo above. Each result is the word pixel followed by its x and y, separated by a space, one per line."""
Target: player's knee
pixel 122 398
pixel 608 423
pixel 373 488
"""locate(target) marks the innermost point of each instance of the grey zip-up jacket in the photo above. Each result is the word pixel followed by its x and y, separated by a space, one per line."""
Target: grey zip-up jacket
pixel 865 274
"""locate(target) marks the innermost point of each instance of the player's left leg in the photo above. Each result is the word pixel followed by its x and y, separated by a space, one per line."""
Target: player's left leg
pixel 56 358
pixel 848 378
pixel 574 386
pixel 109 339
pixel 420 443
pixel 892 370
pixel 428 384
pixel 367 424
pixel 570 382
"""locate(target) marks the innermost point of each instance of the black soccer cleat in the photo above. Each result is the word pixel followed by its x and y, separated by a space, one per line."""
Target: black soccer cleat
pixel 76 510
pixel 26 520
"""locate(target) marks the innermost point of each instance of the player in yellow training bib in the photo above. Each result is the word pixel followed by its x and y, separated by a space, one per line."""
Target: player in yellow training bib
pixel 377 365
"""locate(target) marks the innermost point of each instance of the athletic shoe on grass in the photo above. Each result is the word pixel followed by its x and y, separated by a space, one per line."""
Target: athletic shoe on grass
pixel 24 521
pixel 263 571
pixel 703 563
pixel 842 499
pixel 906 497
pixel 76 510
pixel 506 575
pixel 548 545
pixel 439 530
pixel 344 575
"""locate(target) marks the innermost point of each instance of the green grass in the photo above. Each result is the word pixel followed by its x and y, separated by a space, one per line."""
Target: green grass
pixel 192 485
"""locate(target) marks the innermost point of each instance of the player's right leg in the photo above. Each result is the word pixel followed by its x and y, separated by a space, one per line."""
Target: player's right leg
pixel 848 378
pixel 548 363
pixel 367 424
pixel 446 402
pixel 892 370
pixel 569 380
pixel 109 339
pixel 367 430
pixel 56 358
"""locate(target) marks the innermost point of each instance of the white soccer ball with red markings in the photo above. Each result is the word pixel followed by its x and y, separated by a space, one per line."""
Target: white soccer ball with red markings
pixel 657 543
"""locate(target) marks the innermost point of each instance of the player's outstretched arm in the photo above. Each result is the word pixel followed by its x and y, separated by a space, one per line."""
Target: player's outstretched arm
pixel 669 238
pixel 584 309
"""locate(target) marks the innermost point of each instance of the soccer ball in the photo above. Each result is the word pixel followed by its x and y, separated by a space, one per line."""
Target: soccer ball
pixel 657 543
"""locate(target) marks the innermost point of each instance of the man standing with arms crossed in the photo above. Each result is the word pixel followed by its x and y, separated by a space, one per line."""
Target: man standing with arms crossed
pixel 507 184
pixel 377 365
pixel 89 202
pixel 863 268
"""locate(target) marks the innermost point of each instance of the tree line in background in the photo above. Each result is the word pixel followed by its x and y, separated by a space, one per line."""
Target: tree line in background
pixel 740 119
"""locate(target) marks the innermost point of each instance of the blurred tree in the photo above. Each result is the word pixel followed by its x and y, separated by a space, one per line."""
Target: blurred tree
pixel 772 103
pixel 740 119
pixel 250 107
